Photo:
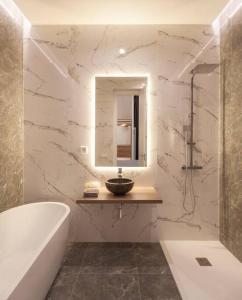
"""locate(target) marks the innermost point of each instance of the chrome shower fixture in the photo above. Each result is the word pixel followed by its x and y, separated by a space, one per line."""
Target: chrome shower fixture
pixel 204 69
pixel 199 69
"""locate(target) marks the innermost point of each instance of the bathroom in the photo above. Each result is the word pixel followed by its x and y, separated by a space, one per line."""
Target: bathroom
pixel 176 234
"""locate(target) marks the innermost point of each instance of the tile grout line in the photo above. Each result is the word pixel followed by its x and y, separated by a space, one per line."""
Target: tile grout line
pixel 140 295
pixel 73 285
pixel 136 274
pixel 138 277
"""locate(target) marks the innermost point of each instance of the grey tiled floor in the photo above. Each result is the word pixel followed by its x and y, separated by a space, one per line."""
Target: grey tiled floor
pixel 110 271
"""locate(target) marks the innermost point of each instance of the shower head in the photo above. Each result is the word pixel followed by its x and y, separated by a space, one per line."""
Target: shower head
pixel 204 68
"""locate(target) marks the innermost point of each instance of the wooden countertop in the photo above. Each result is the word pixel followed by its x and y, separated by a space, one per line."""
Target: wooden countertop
pixel 138 195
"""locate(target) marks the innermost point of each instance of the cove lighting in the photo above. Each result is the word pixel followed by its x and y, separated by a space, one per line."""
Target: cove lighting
pixel 49 58
pixel 228 12
pixel 14 12
pixel 235 11
pixel 196 57
pixel 4 6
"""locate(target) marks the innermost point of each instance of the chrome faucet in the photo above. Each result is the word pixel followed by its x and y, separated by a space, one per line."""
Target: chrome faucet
pixel 120 173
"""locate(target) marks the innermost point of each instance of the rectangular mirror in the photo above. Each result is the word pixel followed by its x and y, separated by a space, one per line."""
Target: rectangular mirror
pixel 121 129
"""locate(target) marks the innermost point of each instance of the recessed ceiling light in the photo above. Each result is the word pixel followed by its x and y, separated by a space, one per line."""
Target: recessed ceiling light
pixel 122 51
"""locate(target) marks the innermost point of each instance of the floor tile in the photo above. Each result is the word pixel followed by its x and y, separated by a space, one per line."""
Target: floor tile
pixel 74 254
pixel 158 287
pixel 106 287
pixel 62 286
pixel 110 271
pixel 109 258
pixel 150 259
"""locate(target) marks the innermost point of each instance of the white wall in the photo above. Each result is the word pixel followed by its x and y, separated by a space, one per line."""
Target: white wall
pixel 124 111
pixel 124 106
pixel 124 135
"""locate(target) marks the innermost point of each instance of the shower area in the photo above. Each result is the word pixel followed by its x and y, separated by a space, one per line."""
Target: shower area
pixel 230 134
pixel 222 79
pixel 196 163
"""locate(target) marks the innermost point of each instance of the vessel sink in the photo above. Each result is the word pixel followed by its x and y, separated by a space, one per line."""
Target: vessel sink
pixel 119 186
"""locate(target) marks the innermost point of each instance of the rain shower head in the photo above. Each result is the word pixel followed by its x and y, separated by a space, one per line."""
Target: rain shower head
pixel 204 68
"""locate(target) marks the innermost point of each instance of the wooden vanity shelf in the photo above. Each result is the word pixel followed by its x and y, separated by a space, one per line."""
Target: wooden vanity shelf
pixel 138 195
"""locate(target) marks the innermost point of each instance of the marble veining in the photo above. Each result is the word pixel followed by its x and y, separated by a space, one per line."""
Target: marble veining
pixel 59 118
pixel 11 112
pixel 117 271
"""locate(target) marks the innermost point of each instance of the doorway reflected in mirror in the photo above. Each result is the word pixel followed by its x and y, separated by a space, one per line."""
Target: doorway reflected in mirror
pixel 121 132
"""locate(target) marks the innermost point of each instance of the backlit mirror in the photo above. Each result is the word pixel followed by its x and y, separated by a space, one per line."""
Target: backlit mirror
pixel 121 129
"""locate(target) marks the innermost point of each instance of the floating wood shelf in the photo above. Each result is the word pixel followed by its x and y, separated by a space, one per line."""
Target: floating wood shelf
pixel 138 195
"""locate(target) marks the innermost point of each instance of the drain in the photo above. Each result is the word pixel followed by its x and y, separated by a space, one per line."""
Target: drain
pixel 203 262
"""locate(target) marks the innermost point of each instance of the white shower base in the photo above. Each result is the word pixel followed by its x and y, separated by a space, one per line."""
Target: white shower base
pixel 221 281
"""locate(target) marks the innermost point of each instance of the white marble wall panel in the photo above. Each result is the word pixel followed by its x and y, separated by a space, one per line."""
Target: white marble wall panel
pixel 59 118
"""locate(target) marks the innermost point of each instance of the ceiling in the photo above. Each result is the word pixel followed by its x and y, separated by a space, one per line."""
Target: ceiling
pixel 121 11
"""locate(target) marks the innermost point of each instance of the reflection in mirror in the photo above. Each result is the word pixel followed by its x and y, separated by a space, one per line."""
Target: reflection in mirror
pixel 120 134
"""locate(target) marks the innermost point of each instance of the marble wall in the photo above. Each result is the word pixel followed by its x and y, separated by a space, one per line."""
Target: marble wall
pixel 60 63
pixel 11 112
pixel 231 104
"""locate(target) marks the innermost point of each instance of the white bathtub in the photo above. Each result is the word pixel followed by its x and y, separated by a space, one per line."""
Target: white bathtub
pixel 32 243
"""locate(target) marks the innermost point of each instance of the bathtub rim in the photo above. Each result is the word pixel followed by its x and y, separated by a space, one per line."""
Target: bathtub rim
pixel 36 203
pixel 43 243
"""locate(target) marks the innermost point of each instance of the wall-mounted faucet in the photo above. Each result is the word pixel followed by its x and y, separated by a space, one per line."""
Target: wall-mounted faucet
pixel 120 173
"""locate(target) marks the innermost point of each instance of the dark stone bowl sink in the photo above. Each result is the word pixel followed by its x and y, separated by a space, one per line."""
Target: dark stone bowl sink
pixel 119 186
